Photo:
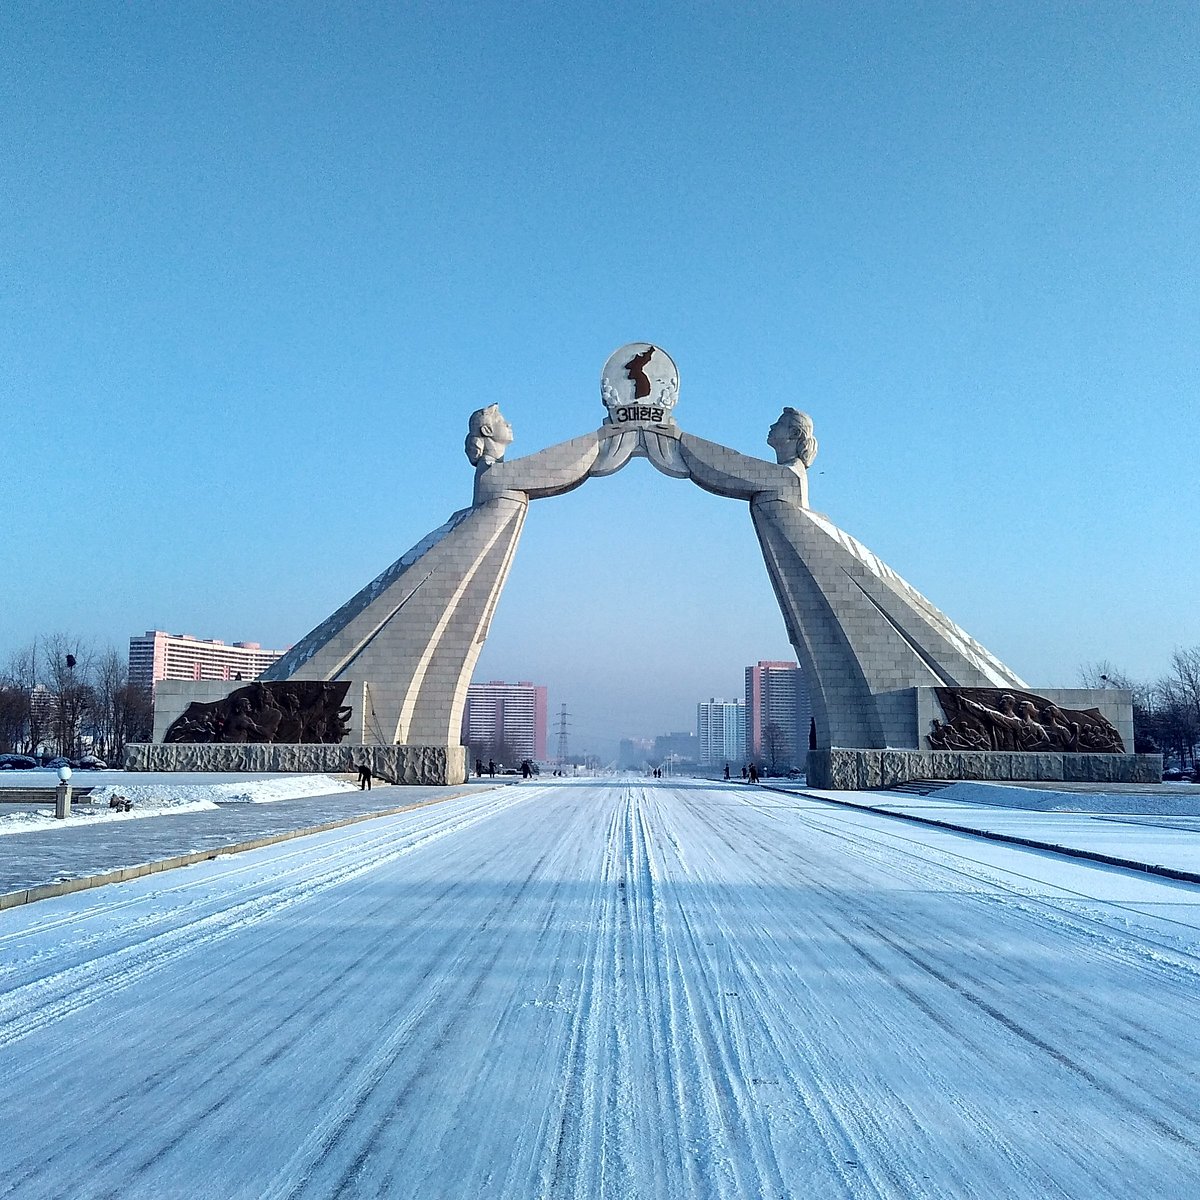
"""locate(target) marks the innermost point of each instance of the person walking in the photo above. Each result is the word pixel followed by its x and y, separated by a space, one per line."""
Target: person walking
pixel 492 768
pixel 479 768
pixel 753 773
pixel 726 770
pixel 364 777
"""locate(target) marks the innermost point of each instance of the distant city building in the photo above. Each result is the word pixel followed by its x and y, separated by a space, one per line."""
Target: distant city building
pixel 634 753
pixel 506 715
pixel 160 655
pixel 778 714
pixel 679 747
pixel 721 731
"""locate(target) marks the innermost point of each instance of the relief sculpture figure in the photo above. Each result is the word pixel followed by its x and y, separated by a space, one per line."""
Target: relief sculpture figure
pixel 1026 733
pixel 1020 721
pixel 960 734
pixel 289 711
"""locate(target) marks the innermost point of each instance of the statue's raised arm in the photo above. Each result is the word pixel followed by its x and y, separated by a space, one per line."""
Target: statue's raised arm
pixel 726 472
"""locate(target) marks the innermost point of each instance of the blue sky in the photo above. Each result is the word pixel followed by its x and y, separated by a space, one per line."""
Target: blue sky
pixel 261 261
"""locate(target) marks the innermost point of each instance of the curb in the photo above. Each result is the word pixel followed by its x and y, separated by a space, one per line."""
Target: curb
pixel 64 887
pixel 1011 839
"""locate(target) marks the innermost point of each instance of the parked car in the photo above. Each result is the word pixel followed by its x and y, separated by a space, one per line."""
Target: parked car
pixel 17 762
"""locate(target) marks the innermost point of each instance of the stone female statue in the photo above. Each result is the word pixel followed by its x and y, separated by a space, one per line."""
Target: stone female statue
pixel 791 437
pixel 488 436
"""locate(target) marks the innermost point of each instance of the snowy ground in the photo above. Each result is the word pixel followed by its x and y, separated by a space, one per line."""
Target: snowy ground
pixel 1168 800
pixel 153 795
pixel 600 990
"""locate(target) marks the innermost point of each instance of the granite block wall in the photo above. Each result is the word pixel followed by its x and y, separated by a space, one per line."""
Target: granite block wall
pixel 840 769
pixel 393 764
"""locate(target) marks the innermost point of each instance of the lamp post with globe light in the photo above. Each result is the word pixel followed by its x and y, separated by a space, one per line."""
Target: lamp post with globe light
pixel 62 794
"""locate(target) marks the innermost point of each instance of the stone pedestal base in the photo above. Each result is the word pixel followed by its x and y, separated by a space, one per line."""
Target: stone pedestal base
pixel 854 770
pixel 393 764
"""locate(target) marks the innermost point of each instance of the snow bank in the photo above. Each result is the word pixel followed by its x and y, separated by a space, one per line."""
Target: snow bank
pixel 167 797
pixel 1148 803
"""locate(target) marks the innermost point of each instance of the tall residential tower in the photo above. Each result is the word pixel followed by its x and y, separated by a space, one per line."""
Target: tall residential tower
pixel 778 715
pixel 506 718
pixel 721 728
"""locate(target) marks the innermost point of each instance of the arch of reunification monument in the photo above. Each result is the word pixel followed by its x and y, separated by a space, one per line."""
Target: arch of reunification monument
pixel 898 690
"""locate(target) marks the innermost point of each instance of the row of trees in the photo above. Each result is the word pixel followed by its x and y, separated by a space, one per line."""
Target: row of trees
pixel 1166 712
pixel 498 750
pixel 62 695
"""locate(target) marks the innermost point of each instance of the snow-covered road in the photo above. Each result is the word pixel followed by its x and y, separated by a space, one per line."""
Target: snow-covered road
pixel 607 989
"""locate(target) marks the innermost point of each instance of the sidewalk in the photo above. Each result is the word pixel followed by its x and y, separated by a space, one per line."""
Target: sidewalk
pixel 51 862
pixel 1140 840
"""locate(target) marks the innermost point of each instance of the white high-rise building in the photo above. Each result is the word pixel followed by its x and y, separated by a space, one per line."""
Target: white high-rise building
pixel 160 655
pixel 511 715
pixel 721 728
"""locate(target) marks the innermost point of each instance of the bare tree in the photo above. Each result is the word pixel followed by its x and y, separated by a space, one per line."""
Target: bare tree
pixel 1104 674
pixel 1185 675
pixel 498 749
pixel 1147 701
pixel 776 746
pixel 122 712
pixel 1178 707
pixel 68 665
pixel 110 682
pixel 23 676
pixel 136 719
pixel 14 710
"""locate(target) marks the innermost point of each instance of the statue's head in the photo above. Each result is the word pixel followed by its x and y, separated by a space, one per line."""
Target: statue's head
pixel 489 434
pixel 791 437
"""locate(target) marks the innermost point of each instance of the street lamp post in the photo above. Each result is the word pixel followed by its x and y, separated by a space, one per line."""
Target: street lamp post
pixel 62 794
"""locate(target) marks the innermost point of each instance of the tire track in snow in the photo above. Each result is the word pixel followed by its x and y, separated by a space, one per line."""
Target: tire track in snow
pixel 291 857
pixel 27 1006
pixel 851 917
pixel 574 1145
pixel 711 1045
pixel 649 1060
pixel 436 1012
pixel 262 1053
pixel 845 1108
pixel 749 1009
pixel 971 990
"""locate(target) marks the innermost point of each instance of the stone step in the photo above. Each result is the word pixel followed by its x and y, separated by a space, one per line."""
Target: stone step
pixel 921 787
